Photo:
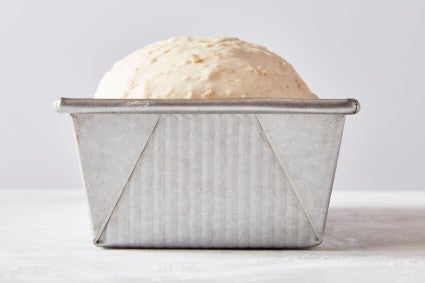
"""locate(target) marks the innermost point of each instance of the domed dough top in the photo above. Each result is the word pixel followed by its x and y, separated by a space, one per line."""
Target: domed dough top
pixel 202 67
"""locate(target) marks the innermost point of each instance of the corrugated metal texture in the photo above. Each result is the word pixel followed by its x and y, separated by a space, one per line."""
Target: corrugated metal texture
pixel 210 181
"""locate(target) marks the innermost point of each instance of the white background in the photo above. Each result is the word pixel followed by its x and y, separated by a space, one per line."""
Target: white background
pixel 370 50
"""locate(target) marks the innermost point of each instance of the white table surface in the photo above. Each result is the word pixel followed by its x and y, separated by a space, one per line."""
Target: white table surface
pixel 369 237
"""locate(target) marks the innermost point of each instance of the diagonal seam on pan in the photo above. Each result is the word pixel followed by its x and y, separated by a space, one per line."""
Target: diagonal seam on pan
pixel 108 217
pixel 291 185
pixel 335 156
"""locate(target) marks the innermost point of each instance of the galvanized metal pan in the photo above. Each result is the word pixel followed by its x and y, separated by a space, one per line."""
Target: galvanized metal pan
pixel 237 173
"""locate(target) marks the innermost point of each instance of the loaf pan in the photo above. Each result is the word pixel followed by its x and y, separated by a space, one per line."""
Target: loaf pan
pixel 223 173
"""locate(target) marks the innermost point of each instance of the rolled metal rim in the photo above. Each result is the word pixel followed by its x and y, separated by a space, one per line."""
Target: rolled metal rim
pixel 208 106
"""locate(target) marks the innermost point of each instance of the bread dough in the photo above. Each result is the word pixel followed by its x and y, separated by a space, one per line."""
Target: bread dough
pixel 202 68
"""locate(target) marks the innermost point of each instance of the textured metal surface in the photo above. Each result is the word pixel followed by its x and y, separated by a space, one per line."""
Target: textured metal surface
pixel 208 180
pixel 174 106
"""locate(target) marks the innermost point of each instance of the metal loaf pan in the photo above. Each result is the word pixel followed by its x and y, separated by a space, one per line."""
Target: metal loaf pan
pixel 238 173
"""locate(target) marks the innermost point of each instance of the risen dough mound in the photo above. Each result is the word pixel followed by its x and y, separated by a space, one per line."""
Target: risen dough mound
pixel 202 67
